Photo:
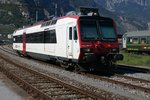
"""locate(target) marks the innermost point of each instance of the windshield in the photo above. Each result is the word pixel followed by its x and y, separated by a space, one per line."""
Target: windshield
pixel 97 30
pixel 89 30
pixel 107 31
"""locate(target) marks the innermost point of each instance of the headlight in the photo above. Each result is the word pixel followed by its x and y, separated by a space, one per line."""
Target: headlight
pixel 86 50
pixel 114 50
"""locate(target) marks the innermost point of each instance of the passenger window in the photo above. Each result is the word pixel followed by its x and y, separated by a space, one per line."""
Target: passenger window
pixel 148 39
pixel 143 40
pixel 75 33
pixel 135 40
pixel 53 36
pixel 70 33
pixel 46 36
pixel 50 36
pixel 129 40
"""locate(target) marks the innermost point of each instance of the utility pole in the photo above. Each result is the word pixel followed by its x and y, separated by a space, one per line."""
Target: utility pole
pixel 36 16
pixel 36 12
pixel 55 9
pixel 55 3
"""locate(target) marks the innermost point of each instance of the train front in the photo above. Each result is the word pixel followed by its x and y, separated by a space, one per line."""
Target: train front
pixel 98 42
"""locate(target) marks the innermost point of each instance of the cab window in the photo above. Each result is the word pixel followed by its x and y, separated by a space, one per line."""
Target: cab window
pixel 70 33
pixel 75 33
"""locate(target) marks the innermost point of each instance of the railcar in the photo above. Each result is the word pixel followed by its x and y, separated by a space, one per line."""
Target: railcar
pixel 78 42
pixel 137 42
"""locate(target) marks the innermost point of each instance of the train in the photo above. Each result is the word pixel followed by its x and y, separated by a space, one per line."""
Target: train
pixel 137 42
pixel 78 42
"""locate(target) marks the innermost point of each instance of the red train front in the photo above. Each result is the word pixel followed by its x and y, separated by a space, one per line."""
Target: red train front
pixel 98 42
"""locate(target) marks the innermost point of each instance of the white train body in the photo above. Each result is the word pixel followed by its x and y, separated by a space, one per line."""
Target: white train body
pixel 62 48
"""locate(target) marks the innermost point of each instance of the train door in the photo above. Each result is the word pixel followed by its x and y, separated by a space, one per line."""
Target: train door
pixel 24 44
pixel 72 42
pixel 124 41
pixel 76 47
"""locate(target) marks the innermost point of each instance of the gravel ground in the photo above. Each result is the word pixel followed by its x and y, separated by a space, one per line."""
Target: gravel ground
pixel 116 89
pixel 10 91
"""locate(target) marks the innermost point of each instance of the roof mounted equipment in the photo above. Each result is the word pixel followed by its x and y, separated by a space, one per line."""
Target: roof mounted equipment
pixel 89 11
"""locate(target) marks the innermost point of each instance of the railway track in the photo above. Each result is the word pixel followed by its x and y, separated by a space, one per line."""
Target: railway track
pixel 128 68
pixel 44 87
pixel 8 49
pixel 126 81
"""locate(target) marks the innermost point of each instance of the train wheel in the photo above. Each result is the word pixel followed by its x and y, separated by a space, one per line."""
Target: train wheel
pixel 77 69
pixel 109 66
pixel 18 52
pixel 62 65
pixel 67 66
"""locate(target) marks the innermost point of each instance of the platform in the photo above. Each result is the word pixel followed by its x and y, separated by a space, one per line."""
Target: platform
pixel 10 91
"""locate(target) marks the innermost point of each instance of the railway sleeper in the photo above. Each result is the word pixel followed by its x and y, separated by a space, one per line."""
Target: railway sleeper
pixel 61 93
pixel 42 87
pixel 43 83
pixel 53 90
pixel 70 97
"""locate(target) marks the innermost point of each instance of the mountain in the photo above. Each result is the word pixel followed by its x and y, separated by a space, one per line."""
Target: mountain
pixel 128 14
pixel 131 8
pixel 135 12
pixel 23 12
pixel 111 4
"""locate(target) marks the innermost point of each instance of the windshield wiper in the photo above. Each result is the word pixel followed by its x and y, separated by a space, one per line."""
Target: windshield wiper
pixel 91 39
pixel 108 39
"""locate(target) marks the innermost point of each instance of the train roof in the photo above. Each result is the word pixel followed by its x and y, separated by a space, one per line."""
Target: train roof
pixel 84 12
pixel 54 21
pixel 137 33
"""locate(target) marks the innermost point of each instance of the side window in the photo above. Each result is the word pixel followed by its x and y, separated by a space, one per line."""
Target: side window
pixel 39 38
pixel 75 33
pixel 143 40
pixel 129 40
pixel 148 38
pixel 47 37
pixel 53 36
pixel 50 36
pixel 70 33
pixel 18 39
pixel 135 40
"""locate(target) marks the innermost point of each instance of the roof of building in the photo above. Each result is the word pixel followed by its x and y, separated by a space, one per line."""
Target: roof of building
pixel 138 33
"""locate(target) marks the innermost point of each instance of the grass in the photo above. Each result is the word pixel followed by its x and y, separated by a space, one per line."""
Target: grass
pixel 136 59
